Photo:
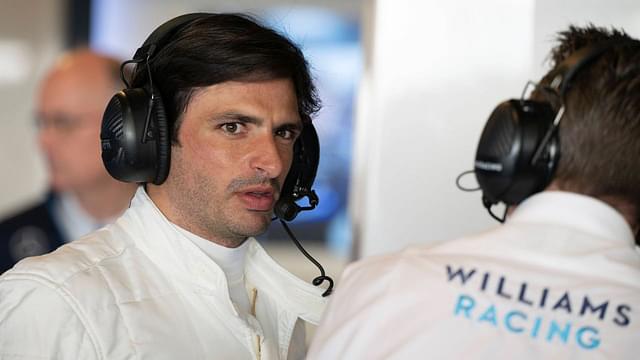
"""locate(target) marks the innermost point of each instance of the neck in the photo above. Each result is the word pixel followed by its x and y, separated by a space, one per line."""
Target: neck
pixel 625 207
pixel 107 200
pixel 171 209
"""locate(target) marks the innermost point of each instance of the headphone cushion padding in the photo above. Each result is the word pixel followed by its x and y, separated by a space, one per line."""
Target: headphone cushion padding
pixel 163 140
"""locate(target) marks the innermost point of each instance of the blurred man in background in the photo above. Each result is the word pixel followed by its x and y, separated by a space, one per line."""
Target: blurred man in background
pixel 561 278
pixel 82 196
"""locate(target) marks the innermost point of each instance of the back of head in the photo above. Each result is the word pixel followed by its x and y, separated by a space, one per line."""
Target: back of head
pixel 600 128
pixel 216 48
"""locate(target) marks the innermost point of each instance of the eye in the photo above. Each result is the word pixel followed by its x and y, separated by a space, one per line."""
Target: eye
pixel 232 128
pixel 287 133
pixel 60 123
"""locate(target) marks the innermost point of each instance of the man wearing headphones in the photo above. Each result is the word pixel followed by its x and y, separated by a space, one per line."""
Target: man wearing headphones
pixel 83 197
pixel 216 125
pixel 561 278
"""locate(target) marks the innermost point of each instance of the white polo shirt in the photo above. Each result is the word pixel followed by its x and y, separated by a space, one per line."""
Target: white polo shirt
pixel 560 280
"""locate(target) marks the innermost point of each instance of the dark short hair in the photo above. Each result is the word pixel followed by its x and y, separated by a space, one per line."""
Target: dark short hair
pixel 216 48
pixel 600 131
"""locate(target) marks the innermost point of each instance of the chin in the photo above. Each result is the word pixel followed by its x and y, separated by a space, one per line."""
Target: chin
pixel 257 225
pixel 58 186
pixel 260 228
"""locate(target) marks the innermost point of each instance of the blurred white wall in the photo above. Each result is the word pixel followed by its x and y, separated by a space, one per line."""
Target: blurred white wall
pixel 31 35
pixel 434 71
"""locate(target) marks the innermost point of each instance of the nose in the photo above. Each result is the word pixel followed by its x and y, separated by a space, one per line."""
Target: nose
pixel 267 159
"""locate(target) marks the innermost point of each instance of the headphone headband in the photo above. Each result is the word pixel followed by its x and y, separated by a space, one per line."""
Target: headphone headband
pixel 160 35
pixel 563 75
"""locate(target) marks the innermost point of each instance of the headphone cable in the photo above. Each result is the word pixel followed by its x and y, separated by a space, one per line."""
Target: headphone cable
pixel 488 205
pixel 319 279
pixel 459 177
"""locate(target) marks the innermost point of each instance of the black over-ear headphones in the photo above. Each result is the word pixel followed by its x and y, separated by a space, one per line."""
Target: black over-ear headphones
pixel 519 149
pixel 136 134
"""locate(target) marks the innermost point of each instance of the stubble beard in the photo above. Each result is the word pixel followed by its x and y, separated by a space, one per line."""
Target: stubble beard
pixel 216 221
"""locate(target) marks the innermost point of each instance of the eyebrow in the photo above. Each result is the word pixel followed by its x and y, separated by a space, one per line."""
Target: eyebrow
pixel 239 117
pixel 247 119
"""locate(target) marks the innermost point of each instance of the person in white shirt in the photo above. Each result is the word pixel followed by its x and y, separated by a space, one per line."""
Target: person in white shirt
pixel 215 124
pixel 561 278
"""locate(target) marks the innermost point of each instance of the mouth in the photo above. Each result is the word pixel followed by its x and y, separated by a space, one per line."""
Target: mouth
pixel 258 198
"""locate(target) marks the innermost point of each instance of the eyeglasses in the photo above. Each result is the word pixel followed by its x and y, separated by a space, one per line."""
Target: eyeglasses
pixel 62 123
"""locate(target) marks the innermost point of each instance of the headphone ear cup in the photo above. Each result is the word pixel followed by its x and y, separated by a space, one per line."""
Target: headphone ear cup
pixel 125 156
pixel 503 165
pixel 299 180
pixel 163 138
pixel 308 157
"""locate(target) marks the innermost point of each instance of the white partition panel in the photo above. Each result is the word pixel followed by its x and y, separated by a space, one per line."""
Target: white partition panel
pixel 434 70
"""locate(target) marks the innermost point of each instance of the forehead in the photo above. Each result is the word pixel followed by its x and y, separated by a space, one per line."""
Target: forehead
pixel 75 91
pixel 276 97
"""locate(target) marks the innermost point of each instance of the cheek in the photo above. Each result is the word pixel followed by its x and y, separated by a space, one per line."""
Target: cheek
pixel 89 140
pixel 287 160
pixel 82 147
pixel 207 156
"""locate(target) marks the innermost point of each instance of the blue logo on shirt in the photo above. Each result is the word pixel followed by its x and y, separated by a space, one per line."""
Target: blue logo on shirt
pixel 527 322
